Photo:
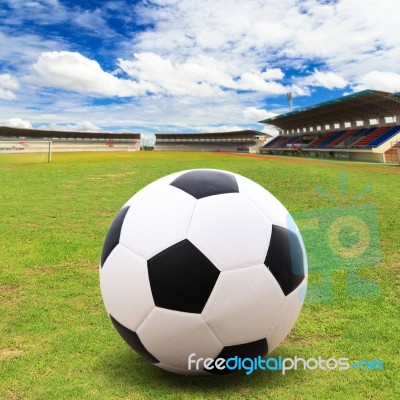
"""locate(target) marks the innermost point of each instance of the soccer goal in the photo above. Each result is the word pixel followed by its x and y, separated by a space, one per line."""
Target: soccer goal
pixel 31 151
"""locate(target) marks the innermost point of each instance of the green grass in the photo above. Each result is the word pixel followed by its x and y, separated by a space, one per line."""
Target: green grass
pixel 56 340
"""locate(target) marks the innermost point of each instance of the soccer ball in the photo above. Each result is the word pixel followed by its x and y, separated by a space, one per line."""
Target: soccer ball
pixel 203 262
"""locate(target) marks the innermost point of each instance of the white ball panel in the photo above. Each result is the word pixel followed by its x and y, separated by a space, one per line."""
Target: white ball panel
pixel 268 204
pixel 164 181
pixel 230 231
pixel 171 336
pixel 287 317
pixel 157 219
pixel 125 287
pixel 182 371
pixel 243 305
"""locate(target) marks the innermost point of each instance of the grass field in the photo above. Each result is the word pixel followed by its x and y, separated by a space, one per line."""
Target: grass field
pixel 57 341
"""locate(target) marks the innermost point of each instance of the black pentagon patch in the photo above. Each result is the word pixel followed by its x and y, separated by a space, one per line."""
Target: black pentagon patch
pixel 246 350
pixel 181 278
pixel 285 258
pixel 204 183
pixel 133 340
pixel 113 234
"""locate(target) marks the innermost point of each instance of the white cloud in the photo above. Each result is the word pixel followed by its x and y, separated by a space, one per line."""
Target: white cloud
pixel 21 49
pixel 8 85
pixel 72 71
pixel 148 114
pixel 326 79
pixel 203 63
pixel 273 74
pixel 299 91
pixel 379 80
pixel 350 37
pixel 255 81
pixel 257 114
pixel 7 94
pixel 329 80
pixel 219 128
pixel 45 12
pixel 8 82
pixel 270 130
pixel 85 126
pixel 43 8
pixel 17 122
pixel 200 76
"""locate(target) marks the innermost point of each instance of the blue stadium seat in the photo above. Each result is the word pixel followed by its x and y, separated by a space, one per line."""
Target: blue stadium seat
pixel 271 142
pixel 385 136
pixel 331 138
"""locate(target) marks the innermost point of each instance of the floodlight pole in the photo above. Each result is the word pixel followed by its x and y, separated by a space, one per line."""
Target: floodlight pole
pixel 289 96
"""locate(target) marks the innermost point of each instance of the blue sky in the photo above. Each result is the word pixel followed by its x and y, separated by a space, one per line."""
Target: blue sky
pixel 187 66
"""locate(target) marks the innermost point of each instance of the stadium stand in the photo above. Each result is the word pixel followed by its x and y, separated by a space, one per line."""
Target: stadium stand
pixel 291 140
pixel 331 138
pixel 354 137
pixel 370 136
pixel 380 136
pixel 363 126
pixel 278 142
pixel 320 140
pixel 385 136
pixel 342 137
pixel 246 141
pixel 273 142
pixel 63 141
pixel 239 141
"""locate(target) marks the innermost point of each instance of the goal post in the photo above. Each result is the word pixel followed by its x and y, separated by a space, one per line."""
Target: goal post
pixel 26 150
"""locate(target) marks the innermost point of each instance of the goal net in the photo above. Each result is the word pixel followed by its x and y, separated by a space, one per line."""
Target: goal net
pixel 25 151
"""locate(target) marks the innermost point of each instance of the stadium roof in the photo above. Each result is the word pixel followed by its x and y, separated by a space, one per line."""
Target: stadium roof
pixel 217 135
pixel 45 134
pixel 359 106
